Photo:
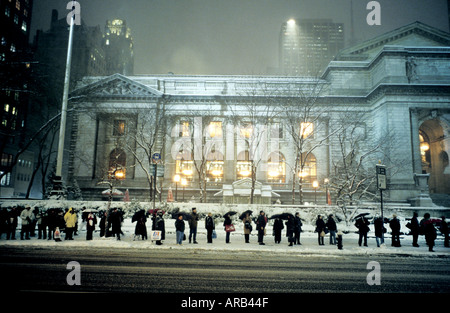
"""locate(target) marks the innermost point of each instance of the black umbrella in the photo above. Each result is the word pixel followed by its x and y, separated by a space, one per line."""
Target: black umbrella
pixel 243 215
pixel 361 215
pixel 283 216
pixel 230 213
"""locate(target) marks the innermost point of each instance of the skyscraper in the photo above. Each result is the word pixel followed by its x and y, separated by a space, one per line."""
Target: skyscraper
pixel 307 46
pixel 118 46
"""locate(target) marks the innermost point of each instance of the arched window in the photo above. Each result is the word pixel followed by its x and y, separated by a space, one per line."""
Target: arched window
pixel 117 164
pixel 243 165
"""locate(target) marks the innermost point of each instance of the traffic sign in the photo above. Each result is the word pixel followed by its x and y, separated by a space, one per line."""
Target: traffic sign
pixel 156 157
pixel 381 176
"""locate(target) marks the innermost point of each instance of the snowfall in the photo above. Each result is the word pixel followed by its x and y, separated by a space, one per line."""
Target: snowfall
pixel 308 214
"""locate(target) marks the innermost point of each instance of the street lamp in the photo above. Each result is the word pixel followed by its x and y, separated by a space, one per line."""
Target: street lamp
pixel 176 179
pixel 315 186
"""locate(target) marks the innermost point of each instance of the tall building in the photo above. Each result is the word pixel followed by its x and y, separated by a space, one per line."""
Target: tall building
pixel 118 47
pixel 15 78
pixel 398 81
pixel 308 45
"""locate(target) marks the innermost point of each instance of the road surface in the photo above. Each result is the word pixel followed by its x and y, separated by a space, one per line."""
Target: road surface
pixel 26 269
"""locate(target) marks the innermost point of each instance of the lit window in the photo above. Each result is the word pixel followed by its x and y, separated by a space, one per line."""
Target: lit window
pixel 215 129
pixel 306 130
pixel 24 26
pixel 17 4
pixel 119 128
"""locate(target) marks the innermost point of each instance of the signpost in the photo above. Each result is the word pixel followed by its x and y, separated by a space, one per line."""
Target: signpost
pixel 381 184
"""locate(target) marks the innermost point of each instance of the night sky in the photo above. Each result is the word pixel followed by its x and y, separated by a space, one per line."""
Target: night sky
pixel 230 36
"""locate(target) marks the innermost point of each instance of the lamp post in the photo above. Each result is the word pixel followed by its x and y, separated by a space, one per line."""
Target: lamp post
pixel 65 100
pixel 176 179
pixel 325 182
pixel 315 185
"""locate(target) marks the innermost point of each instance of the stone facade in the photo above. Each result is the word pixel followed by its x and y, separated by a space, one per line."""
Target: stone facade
pixel 207 127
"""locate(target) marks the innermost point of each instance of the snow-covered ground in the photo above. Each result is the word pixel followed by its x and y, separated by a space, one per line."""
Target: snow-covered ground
pixel 308 239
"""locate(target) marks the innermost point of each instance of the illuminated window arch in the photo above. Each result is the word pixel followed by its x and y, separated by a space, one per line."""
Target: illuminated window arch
pixel 243 165
pixel 214 166
pixel 117 164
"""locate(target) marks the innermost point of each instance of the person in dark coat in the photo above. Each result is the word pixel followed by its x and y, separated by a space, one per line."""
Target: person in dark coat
pixel 290 226
pixel 11 223
pixel 179 227
pixel 141 228
pixel 331 226
pixel 394 224
pixel 103 222
pixel 261 223
pixel 277 228
pixel 320 227
pixel 227 222
pixel 193 223
pixel 160 226
pixel 379 230
pixel 297 228
pixel 210 226
pixel 115 220
pixel 428 229
pixel 362 224
pixel 415 229
pixel 444 231
pixel 91 221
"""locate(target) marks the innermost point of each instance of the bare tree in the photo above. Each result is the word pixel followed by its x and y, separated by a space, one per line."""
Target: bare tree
pixel 252 117
pixel 306 120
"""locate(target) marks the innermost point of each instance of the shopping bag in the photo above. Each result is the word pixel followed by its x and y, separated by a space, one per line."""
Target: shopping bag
pixel 229 228
pixel 214 234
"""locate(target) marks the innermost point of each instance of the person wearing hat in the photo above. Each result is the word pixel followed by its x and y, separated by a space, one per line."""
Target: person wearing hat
pixel 193 222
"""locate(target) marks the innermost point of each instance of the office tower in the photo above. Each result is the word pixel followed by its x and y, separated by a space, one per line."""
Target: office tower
pixel 308 45
pixel 118 47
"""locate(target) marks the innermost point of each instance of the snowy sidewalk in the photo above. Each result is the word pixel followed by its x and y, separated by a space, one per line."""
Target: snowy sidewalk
pixel 308 239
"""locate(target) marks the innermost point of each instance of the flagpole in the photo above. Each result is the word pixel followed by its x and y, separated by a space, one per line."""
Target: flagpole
pixel 62 128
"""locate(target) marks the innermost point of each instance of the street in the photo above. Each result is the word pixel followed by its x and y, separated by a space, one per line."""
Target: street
pixel 44 269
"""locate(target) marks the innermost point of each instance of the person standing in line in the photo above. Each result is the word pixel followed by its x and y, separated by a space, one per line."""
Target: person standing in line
pixel 415 229
pixel 297 228
pixel 362 224
pixel 11 223
pixel 160 226
pixel 394 224
pixel 103 222
pixel 290 226
pixel 428 229
pixel 27 217
pixel 261 226
pixel 227 222
pixel 210 226
pixel 379 230
pixel 444 231
pixel 247 220
pixel 193 222
pixel 70 218
pixel 277 228
pixel 115 220
pixel 179 227
pixel 320 228
pixel 331 225
pixel 91 221
pixel 41 219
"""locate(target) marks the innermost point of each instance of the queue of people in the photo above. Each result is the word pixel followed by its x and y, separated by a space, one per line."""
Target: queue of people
pixel 52 222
